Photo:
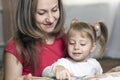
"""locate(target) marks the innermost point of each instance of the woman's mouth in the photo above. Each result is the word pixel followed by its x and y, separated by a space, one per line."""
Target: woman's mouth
pixel 50 25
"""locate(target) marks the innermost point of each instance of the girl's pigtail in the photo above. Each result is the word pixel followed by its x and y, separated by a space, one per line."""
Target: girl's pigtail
pixel 75 20
pixel 102 36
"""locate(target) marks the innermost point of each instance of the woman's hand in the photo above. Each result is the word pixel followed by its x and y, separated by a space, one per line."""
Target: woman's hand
pixel 115 69
pixel 25 77
pixel 62 73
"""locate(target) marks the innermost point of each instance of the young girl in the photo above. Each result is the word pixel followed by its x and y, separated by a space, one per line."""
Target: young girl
pixel 81 41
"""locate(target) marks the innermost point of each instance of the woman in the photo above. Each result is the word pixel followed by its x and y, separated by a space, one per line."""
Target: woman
pixel 38 41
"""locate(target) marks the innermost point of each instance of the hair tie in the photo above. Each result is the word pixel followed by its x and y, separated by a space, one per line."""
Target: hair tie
pixel 97 28
pixel 75 20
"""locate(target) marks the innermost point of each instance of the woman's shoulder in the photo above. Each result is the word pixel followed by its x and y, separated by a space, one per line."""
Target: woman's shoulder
pixel 12 49
pixel 10 42
pixel 11 46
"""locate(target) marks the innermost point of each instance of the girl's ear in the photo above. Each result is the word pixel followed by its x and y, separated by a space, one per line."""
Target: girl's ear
pixel 93 47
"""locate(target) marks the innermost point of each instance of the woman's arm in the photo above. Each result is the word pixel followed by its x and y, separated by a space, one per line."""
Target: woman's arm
pixel 115 69
pixel 12 67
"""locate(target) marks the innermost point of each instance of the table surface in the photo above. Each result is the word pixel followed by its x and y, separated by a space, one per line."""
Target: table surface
pixel 104 76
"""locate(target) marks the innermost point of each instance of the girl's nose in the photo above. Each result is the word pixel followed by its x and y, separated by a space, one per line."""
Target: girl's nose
pixel 77 46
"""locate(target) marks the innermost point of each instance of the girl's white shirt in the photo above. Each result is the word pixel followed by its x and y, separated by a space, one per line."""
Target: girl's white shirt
pixel 89 68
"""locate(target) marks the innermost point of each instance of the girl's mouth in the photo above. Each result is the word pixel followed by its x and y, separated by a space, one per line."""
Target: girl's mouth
pixel 77 54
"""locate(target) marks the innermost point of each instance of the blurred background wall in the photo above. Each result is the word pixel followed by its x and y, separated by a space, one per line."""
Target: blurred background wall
pixel 1 25
pixel 1 34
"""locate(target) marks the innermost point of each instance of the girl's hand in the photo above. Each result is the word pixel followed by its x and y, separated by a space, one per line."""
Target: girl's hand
pixel 62 73
pixel 25 77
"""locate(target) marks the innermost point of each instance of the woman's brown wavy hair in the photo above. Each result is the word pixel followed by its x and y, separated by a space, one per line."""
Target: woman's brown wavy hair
pixel 27 32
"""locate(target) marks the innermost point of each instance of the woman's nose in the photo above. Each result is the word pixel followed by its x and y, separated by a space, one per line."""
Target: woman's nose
pixel 50 18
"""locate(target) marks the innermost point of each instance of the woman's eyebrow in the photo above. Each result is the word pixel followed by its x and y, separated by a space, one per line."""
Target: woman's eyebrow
pixel 55 6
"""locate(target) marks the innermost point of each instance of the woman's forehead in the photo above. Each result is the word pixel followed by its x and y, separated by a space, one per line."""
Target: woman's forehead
pixel 43 4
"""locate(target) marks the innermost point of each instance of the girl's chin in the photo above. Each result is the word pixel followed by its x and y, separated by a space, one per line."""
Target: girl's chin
pixel 75 59
pixel 78 59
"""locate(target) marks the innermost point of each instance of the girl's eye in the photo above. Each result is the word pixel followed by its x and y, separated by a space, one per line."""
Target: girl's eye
pixel 83 44
pixel 71 42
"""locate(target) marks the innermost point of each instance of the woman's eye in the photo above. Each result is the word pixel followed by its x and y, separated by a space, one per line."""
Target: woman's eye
pixel 40 13
pixel 55 9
